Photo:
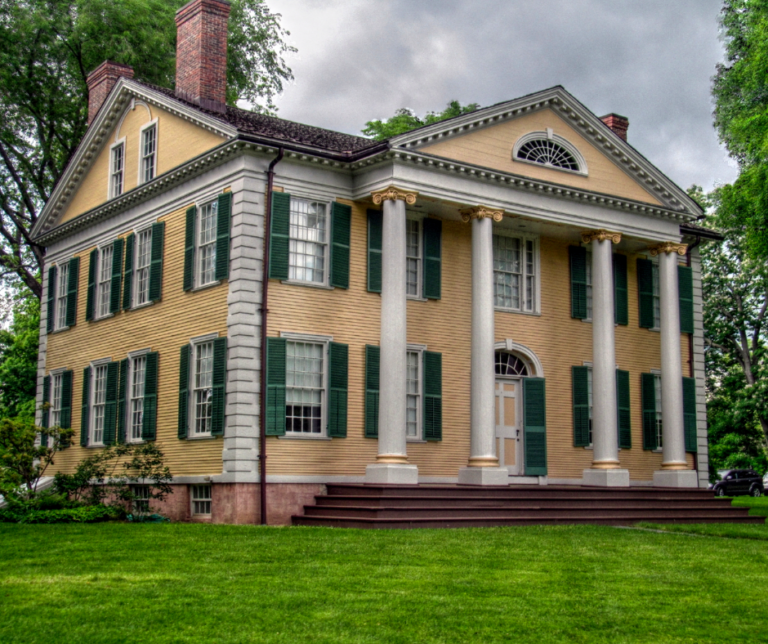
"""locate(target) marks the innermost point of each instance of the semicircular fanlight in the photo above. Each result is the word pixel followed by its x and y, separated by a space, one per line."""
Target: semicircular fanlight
pixel 508 364
pixel 548 153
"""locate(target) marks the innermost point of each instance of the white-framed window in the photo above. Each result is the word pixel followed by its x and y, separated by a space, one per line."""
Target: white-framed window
pixel 141 272
pixel 656 295
pixel 202 388
pixel 305 391
pixel 657 395
pixel 98 402
pixel 56 396
pixel 61 296
pixel 148 167
pixel 413 399
pixel 117 170
pixel 207 218
pixel 137 373
pixel 140 498
pixel 515 273
pixel 413 247
pixel 104 281
pixel 550 150
pixel 308 245
pixel 201 500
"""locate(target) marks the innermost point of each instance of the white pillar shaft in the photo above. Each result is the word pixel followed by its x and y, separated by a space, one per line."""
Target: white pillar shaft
pixel 483 421
pixel 604 421
pixel 392 394
pixel 671 364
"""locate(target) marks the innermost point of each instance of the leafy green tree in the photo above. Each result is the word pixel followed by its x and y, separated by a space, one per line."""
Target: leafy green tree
pixel 47 49
pixel 406 120
pixel 18 357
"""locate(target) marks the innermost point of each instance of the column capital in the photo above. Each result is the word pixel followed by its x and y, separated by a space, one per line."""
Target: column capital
pixel 668 247
pixel 393 194
pixel 479 212
pixel 600 235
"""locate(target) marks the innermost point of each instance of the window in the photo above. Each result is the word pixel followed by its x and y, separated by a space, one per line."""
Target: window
pixel 56 399
pixel 514 273
pixel 549 150
pixel 138 369
pixel 118 163
pixel 202 389
pixel 143 259
pixel 308 249
pixel 61 296
pixel 206 243
pixel 98 403
pixel 413 258
pixel 413 395
pixel 148 153
pixel 140 498
pixel 657 392
pixel 508 364
pixel 656 298
pixel 104 284
pixel 201 499
pixel 305 388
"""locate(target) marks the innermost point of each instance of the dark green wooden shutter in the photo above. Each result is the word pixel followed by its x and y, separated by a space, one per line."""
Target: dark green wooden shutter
pixel 219 397
pixel 223 224
pixel 645 292
pixel 338 370
pixel 280 233
pixel 341 232
pixel 51 309
pixel 622 404
pixel 372 365
pixel 433 231
pixel 685 288
pixel 375 241
pixel 128 272
pixel 648 394
pixel 110 405
pixel 189 249
pixel 580 377
pixel 620 290
pixel 117 276
pixel 535 424
pixel 149 417
pixel 689 414
pixel 275 425
pixel 122 392
pixel 44 422
pixel 72 282
pixel 86 407
pixel 65 415
pixel 578 257
pixel 90 300
pixel 184 390
pixel 433 396
pixel 156 262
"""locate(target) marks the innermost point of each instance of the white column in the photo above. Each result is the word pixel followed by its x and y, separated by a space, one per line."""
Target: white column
pixel 391 465
pixel 483 466
pixel 605 470
pixel 674 468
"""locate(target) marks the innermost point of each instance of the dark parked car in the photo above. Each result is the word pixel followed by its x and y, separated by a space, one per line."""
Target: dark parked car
pixel 738 482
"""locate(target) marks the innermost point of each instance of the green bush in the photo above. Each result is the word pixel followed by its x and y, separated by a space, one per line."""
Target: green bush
pixel 85 514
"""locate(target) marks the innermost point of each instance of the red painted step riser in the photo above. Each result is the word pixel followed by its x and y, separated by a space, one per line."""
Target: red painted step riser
pixel 429 502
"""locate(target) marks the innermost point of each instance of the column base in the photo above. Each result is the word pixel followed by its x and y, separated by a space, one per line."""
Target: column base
pixel 484 476
pixel 676 478
pixel 392 474
pixel 606 478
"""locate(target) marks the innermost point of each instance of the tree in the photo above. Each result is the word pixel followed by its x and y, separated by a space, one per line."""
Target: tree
pixel 47 49
pixel 405 120
pixel 18 357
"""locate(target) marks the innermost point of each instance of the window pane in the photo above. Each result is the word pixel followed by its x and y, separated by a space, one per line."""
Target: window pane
pixel 117 171
pixel 203 392
pixel 307 246
pixel 56 400
pixel 412 395
pixel 61 296
pixel 143 259
pixel 656 296
pixel 105 280
pixel 304 387
pixel 138 371
pixel 413 255
pixel 206 241
pixel 99 401
pixel 148 153
pixel 507 272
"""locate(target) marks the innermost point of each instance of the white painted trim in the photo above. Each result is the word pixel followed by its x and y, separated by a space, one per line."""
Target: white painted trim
pixel 153 123
pixel 138 352
pixel 208 337
pixel 524 238
pixel 100 362
pixel 116 144
pixel 131 106
pixel 530 356
pixel 305 337
pixel 559 140
pixel 325 341
pixel 57 371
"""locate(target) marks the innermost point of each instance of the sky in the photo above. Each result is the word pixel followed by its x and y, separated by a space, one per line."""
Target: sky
pixel 649 60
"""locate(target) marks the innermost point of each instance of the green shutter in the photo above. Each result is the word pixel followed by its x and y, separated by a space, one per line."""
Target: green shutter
pixel 375 241
pixel 223 224
pixel 580 378
pixel 128 271
pixel 184 390
pixel 279 239
pixel 156 262
pixel 341 231
pixel 189 249
pixel 122 392
pixel 338 370
pixel 433 231
pixel 149 417
pixel 578 257
pixel 275 425
pixel 535 426
pixel 689 414
pixel 110 405
pixel 65 415
pixel 44 422
pixel 648 394
pixel 645 292
pixel 72 282
pixel 685 289
pixel 90 300
pixel 85 407
pixel 620 290
pixel 51 309
pixel 117 276
pixel 372 363
pixel 622 405
pixel 433 396
pixel 219 396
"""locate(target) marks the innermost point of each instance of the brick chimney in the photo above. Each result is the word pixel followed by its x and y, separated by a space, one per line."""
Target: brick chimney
pixel 619 124
pixel 100 83
pixel 201 53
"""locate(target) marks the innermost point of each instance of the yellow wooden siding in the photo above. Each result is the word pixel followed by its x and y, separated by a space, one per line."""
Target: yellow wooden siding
pixel 178 141
pixel 491 147
pixel 163 327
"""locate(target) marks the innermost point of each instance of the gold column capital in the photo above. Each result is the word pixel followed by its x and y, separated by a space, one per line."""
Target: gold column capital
pixel 393 194
pixel 668 247
pixel 600 235
pixel 479 212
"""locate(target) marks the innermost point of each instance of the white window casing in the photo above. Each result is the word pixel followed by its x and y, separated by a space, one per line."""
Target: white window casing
pixel 413 259
pixel 142 260
pixel 98 402
pixel 546 149
pixel 148 152
pixel 104 281
pixel 117 169
pixel 201 389
pixel 56 399
pixel 205 244
pixel 201 500
pixel 516 282
pixel 308 258
pixel 61 286
pixel 136 379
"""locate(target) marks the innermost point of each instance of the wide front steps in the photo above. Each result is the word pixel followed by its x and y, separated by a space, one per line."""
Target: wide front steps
pixel 451 506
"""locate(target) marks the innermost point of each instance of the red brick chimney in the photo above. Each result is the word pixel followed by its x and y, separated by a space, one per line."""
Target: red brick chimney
pixel 619 124
pixel 100 83
pixel 201 53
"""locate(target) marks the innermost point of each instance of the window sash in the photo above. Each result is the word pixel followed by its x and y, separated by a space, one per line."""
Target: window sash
pixel 143 260
pixel 148 150
pixel 104 286
pixel 202 389
pixel 98 403
pixel 308 241
pixel 656 296
pixel 206 243
pixel 56 394
pixel 201 499
pixel 659 424
pixel 514 273
pixel 118 162
pixel 136 397
pixel 305 388
pixel 413 395
pixel 62 287
pixel 141 498
pixel 413 257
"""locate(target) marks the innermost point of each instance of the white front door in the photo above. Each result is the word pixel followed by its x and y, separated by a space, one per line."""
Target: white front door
pixel 509 435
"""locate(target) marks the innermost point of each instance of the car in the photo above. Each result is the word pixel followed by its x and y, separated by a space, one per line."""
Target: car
pixel 738 482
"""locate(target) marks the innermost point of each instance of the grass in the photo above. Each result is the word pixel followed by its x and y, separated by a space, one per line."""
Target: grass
pixel 116 583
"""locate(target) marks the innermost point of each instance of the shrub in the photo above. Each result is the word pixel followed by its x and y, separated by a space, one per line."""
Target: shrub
pixel 83 514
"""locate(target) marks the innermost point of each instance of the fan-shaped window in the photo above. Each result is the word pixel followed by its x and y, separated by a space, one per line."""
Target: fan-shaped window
pixel 550 150
pixel 508 364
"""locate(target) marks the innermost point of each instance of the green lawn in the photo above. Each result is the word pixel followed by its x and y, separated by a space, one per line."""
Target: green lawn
pixel 146 583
